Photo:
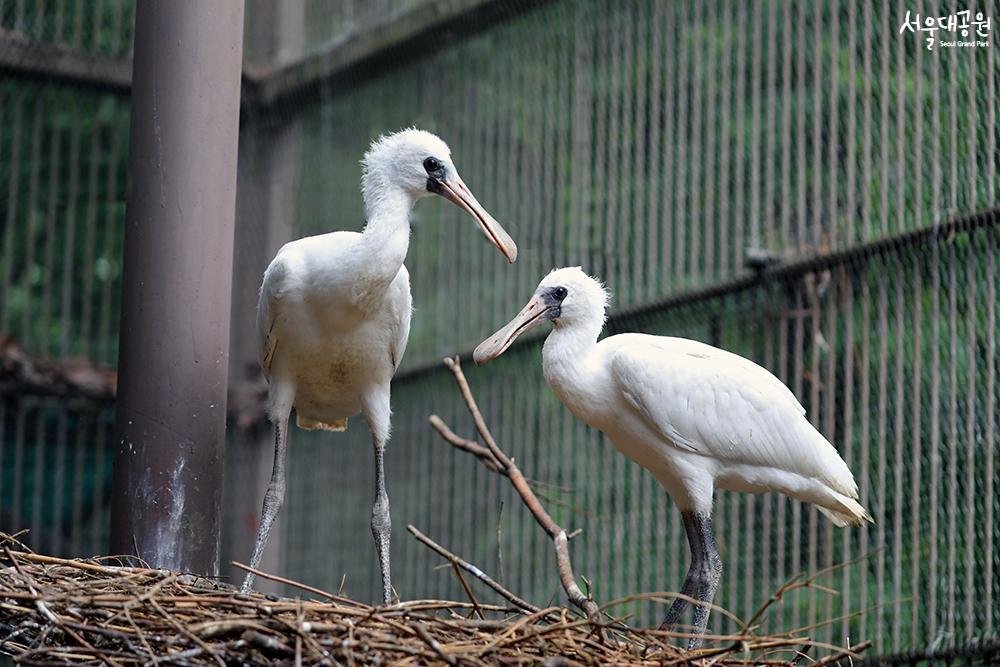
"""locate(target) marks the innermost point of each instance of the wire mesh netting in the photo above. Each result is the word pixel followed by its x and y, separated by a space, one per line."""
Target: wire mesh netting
pixel 800 183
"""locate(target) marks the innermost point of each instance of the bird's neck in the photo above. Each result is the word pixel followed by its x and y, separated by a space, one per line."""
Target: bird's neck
pixel 386 238
pixel 566 350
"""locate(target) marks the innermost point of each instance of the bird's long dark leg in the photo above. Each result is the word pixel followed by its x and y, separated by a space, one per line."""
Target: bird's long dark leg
pixel 702 579
pixel 375 406
pixel 381 522
pixel 273 499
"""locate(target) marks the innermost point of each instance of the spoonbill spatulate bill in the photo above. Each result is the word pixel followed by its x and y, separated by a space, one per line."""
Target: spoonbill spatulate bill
pixel 697 417
pixel 334 315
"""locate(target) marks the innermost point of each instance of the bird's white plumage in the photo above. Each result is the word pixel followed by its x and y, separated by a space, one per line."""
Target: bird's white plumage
pixel 722 406
pixel 325 339
pixel 698 417
pixel 334 312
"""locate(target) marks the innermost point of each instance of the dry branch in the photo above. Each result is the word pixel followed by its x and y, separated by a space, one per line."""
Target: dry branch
pixel 473 570
pixel 495 459
pixel 135 616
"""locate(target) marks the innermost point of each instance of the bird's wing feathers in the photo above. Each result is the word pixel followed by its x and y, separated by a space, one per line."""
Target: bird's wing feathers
pixel 400 325
pixel 269 307
pixel 717 404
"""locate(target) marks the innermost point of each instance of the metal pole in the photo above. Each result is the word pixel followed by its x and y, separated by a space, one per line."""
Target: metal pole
pixel 178 253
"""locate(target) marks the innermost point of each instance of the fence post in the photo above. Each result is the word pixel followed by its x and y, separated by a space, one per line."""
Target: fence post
pixel 174 336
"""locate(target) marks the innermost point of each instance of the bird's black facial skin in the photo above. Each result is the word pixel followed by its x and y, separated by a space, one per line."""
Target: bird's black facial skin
pixel 553 298
pixel 435 174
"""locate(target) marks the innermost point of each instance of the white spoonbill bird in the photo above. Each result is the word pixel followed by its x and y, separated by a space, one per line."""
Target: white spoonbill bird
pixel 697 417
pixel 334 314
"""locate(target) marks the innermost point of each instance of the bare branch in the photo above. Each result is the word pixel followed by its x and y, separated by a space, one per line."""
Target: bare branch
pixel 473 570
pixel 559 538
pixel 464 444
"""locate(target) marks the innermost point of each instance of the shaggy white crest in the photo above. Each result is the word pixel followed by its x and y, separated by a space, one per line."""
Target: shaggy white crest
pixel 397 161
pixel 587 298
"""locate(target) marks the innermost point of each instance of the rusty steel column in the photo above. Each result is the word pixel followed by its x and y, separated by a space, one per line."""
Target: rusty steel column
pixel 178 254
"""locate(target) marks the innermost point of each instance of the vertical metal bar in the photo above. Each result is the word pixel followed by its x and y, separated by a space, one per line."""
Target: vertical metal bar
pixel 640 220
pixel 19 473
pixel 756 83
pixel 991 404
pixel 969 621
pixel 710 137
pixel 881 437
pixel 726 180
pixel 77 38
pixel 884 134
pixel 833 142
pixel 786 131
pixel 4 402
pixel 797 380
pixel 84 431
pixel 57 525
pixel 602 97
pixel 58 21
pixel 898 452
pixel 39 453
pixel 97 492
pixel 801 132
pixel 815 417
pixel 19 16
pixel 781 547
pixel 111 231
pixel 69 236
pixel 749 543
pixel 931 612
pixel 869 128
pixel 177 285
pixel 13 189
pixel 830 419
pixel 116 26
pixel 848 437
pixel 739 176
pixel 916 480
pixel 621 104
pixel 96 24
pixel 852 186
pixel 681 133
pixel 667 151
pixel 692 166
pixel 29 243
pixel 89 242
pixel 952 436
pixel 48 260
pixel 991 113
pixel 769 213
pixel 583 102
pixel 817 128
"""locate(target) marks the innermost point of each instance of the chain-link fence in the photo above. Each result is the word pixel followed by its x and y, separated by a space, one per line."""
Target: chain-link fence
pixel 802 183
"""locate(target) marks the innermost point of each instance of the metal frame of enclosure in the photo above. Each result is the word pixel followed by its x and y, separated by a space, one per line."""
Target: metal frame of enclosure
pixel 798 182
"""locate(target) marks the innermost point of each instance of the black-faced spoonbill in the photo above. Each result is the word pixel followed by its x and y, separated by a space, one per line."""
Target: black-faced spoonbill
pixel 334 315
pixel 697 417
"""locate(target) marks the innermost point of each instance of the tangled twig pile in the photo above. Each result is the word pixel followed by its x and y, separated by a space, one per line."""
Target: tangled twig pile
pixel 57 611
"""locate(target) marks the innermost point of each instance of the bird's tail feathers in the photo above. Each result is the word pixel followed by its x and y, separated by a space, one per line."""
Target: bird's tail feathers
pixel 848 513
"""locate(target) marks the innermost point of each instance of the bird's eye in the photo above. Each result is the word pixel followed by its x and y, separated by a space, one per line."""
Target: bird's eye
pixel 432 164
pixel 559 293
